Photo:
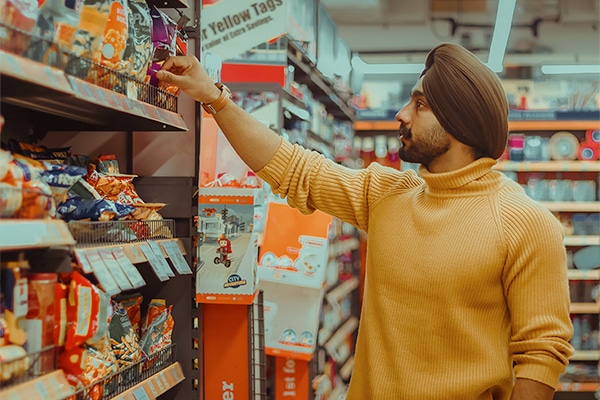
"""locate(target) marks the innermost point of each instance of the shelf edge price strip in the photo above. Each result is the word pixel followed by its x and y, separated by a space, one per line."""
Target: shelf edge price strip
pixel 176 257
pixel 154 262
pixel 132 273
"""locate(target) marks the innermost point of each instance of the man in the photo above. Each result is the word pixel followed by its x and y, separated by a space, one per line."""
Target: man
pixel 466 294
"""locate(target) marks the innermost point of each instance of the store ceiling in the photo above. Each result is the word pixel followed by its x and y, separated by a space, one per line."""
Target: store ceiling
pixel 403 31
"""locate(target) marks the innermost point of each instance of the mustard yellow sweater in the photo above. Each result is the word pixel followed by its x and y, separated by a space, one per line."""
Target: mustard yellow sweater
pixel 465 276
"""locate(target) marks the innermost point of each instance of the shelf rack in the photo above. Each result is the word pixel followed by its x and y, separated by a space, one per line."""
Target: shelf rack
pixel 69 93
pixel 585 308
pixel 572 206
pixel 22 234
pixel 548 166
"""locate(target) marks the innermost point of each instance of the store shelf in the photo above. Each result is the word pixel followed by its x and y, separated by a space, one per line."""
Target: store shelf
pixel 154 386
pixel 133 250
pixel 343 289
pixel 22 234
pixel 297 111
pixel 52 386
pixel 576 274
pixel 341 334
pixel 392 125
pixel 287 95
pixel 66 103
pixel 340 247
pixel 572 206
pixel 321 90
pixel 346 370
pixel 586 355
pixel 582 240
pixel 562 125
pixel 585 308
pixel 578 387
pixel 548 166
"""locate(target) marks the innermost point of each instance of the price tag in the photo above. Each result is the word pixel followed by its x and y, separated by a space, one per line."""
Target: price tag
pixel 164 380
pixel 130 270
pixel 104 276
pixel 85 265
pixel 40 389
pixel 160 385
pixel 154 262
pixel 176 257
pixel 152 388
pixel 9 63
pixel 115 269
pixel 140 394
pixel 161 257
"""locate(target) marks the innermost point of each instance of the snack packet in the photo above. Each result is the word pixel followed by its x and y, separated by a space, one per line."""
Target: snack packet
pixel 157 327
pixel 123 339
pixel 133 306
pixel 139 43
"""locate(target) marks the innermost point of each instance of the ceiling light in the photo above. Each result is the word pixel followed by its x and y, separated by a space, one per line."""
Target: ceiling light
pixel 365 68
pixel 570 69
pixel 504 18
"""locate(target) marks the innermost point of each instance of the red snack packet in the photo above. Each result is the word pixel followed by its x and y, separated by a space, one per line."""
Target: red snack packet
pixel 87 312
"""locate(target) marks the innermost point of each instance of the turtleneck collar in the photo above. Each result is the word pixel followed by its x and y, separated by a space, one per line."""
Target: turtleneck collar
pixel 474 177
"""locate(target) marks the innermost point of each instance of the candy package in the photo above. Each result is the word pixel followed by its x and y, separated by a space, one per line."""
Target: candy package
pixel 61 178
pixel 164 43
pixel 138 52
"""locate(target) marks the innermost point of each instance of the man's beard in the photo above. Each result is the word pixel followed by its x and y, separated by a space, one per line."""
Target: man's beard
pixel 432 143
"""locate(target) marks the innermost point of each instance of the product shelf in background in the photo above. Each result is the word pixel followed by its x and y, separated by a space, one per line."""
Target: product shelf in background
pixel 560 125
pixel 577 274
pixel 585 308
pixel 572 206
pixel 548 166
pixel 582 240
pixel 342 290
pixel 23 234
pixel 317 83
pixel 578 387
pixel 346 370
pixel 586 355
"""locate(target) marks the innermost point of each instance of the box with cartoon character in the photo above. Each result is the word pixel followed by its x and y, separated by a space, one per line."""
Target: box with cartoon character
pixel 291 269
pixel 227 245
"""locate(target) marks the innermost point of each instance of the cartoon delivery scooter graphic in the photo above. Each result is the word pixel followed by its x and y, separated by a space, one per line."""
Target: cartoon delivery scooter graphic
pixel 224 250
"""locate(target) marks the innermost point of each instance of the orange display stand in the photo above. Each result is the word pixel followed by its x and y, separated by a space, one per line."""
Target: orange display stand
pixel 226 351
pixel 291 379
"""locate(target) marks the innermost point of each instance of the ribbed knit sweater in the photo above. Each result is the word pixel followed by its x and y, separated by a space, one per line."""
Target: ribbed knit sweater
pixel 465 276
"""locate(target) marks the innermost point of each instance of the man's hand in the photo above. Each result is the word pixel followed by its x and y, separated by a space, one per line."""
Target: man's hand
pixel 186 73
pixel 528 389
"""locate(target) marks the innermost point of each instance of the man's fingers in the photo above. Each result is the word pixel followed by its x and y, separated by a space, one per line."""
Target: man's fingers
pixel 168 77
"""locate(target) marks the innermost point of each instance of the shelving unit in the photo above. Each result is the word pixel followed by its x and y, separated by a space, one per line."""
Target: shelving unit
pixel 44 98
pixel 52 386
pixel 17 234
pixel 572 206
pixel 64 102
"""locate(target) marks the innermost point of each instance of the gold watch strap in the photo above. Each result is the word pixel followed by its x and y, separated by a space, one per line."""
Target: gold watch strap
pixel 220 102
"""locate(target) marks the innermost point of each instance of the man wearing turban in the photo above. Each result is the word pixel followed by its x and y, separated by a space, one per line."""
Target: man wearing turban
pixel 466 292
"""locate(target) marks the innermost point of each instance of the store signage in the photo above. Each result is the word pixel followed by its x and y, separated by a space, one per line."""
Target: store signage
pixel 291 378
pixel 232 27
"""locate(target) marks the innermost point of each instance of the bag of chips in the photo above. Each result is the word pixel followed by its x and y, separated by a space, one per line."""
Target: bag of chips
pixel 19 14
pixel 87 312
pixel 164 43
pixel 133 306
pixel 123 339
pixel 157 327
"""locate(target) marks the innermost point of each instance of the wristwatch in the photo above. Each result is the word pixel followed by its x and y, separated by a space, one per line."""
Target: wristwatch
pixel 220 102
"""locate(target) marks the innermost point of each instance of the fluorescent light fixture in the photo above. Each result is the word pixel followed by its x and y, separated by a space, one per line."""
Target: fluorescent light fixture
pixel 570 69
pixel 504 18
pixel 499 42
pixel 365 68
